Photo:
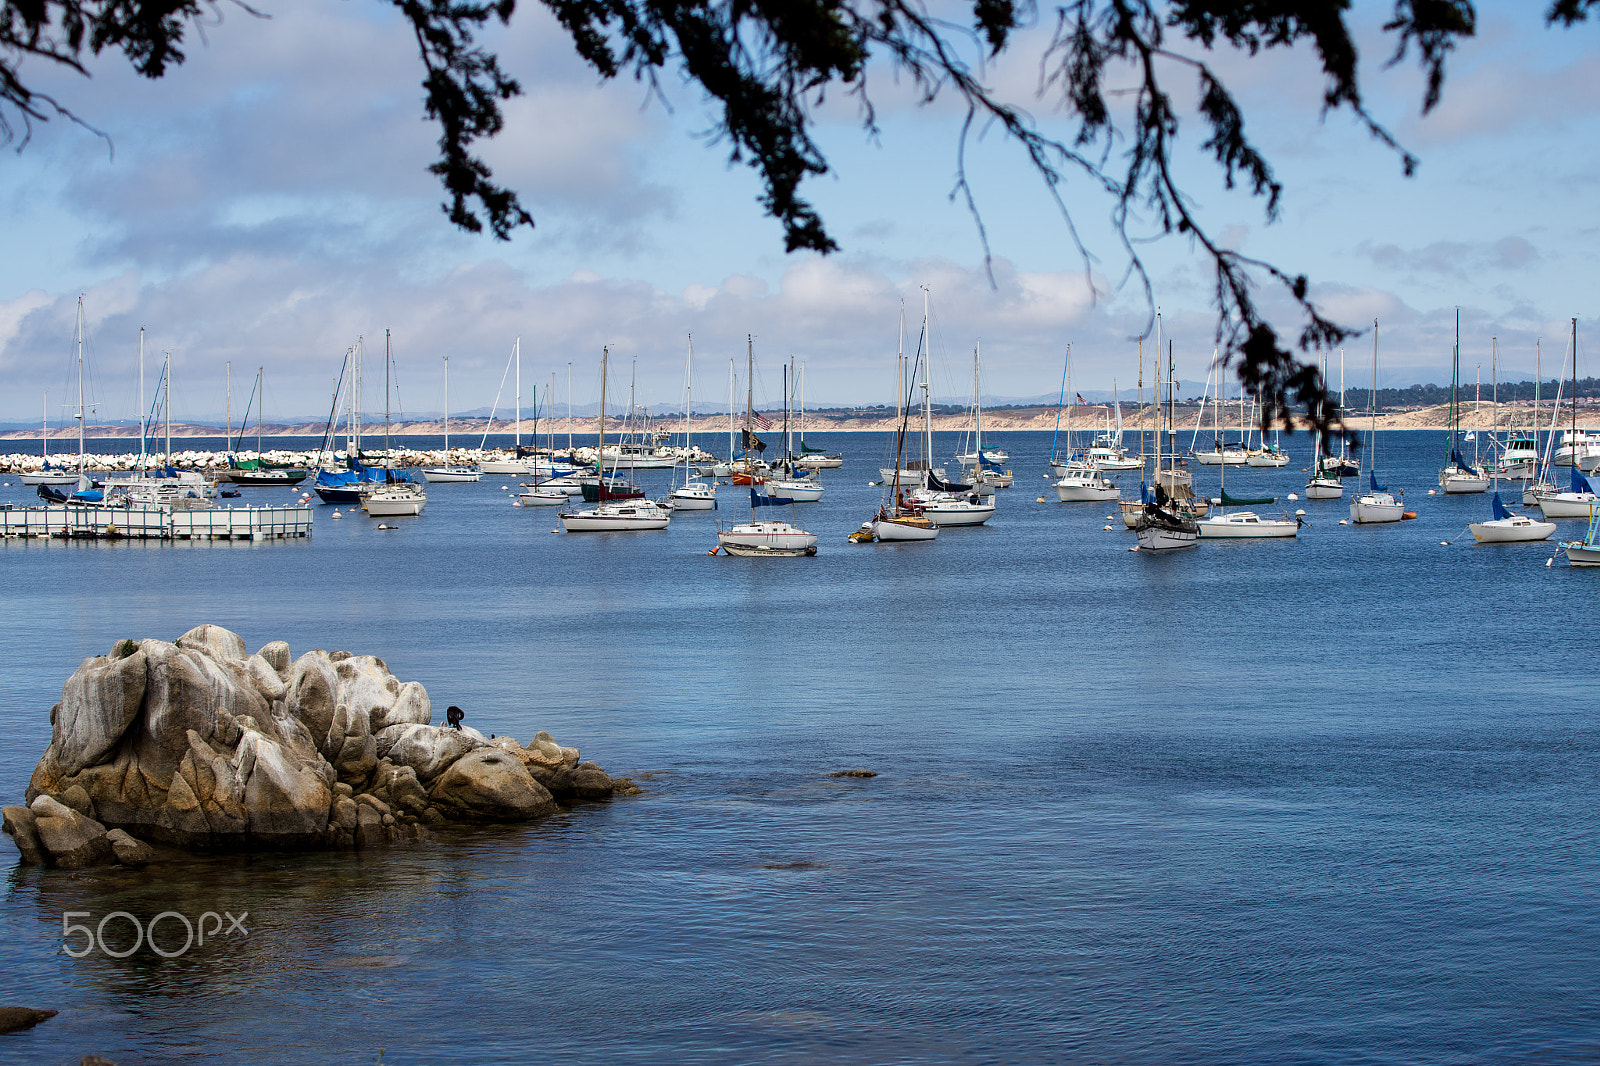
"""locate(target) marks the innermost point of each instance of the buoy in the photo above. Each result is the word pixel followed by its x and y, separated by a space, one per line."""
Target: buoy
pixel 713 551
pixel 503 488
pixel 1342 521
pixel 1039 500
pixel 1109 517
pixel 1108 529
pixel 1134 548
pixel 1431 492
pixel 1406 516
pixel 1444 544
pixel 1550 560
pixel 336 514
pixel 1301 513
pixel 1293 496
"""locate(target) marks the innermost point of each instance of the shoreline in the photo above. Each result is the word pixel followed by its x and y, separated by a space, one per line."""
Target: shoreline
pixel 1037 419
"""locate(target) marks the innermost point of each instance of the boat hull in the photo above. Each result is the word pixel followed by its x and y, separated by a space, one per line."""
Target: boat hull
pixel 1581 554
pixel 1511 530
pixel 446 475
pixel 1246 525
pixel 543 499
pixel 49 479
pixel 1567 504
pixel 1463 484
pixel 615 519
pixel 774 539
pixel 892 529
pixel 1371 510
pixel 958 513
pixel 1086 490
pixel 1322 488
pixel 516 468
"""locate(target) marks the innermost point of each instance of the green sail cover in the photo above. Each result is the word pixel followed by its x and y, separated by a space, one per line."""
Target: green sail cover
pixel 1238 501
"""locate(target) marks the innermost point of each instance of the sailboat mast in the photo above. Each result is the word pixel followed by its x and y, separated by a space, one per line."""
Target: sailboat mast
pixel 730 410
pixel 388 358
pixel 569 408
pixel 166 404
pixel 519 396
pixel 82 461
pixel 262 392
pixel 750 390
pixel 1155 381
pixel 977 407
pixel 600 449
pixel 143 414
pixel 925 351
pixel 227 398
pixel 44 426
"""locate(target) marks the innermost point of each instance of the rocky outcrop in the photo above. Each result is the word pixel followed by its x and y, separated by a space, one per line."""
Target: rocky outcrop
pixel 202 745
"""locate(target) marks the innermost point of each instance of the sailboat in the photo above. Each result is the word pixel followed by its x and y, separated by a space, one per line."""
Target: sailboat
pixel 1235 525
pixel 448 473
pixel 1585 552
pixel 45 475
pixel 612 516
pixel 1107 452
pixel 1323 484
pixel 1342 465
pixel 813 458
pixel 1579 500
pixel 257 472
pixel 1222 453
pixel 1459 476
pixel 894 521
pixel 393 497
pixel 1161 525
pixel 918 473
pixel 1508 528
pixel 786 481
pixel 1378 504
pixel 547 492
pixel 693 494
pixel 764 537
pixel 516 465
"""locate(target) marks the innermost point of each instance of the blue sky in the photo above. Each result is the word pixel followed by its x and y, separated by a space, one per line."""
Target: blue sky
pixel 268 203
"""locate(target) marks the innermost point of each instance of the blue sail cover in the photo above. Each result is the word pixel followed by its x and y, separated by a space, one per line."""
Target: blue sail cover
pixel 1144 492
pixel 758 500
pixel 988 464
pixel 1372 476
pixel 1579 482
pixel 1500 512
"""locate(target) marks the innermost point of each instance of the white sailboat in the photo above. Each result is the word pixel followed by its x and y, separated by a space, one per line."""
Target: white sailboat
pixel 1239 525
pixel 447 473
pixel 1579 500
pixel 812 458
pixel 1378 504
pixel 516 465
pixel 770 538
pixel 45 475
pixel 894 522
pixel 693 494
pixel 1508 528
pixel 393 497
pixel 614 516
pixel 1585 552
pixel 1459 477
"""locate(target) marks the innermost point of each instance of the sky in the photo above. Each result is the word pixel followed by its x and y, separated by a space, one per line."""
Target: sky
pixel 268 205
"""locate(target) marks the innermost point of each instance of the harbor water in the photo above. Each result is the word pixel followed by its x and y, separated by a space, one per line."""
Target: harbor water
pixel 1329 799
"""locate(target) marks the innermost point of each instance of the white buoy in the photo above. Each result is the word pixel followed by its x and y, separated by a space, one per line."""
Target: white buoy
pixel 336 514
pixel 1444 544
pixel 1108 529
pixel 1109 517
pixel 1550 560
pixel 1344 521
pixel 1039 500
pixel 1430 492
pixel 503 488
pixel 1293 496
pixel 1301 513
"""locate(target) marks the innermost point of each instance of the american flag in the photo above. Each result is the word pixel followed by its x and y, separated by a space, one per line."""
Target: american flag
pixel 1081 401
pixel 760 422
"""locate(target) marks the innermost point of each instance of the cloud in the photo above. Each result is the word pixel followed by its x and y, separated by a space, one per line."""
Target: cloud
pixel 1453 259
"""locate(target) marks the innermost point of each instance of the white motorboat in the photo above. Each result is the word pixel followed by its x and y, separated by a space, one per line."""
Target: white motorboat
pixel 1519 460
pixel 395 499
pixel 641 456
pixel 1567 504
pixel 953 508
pixel 914 476
pixel 694 495
pixel 1584 444
pixel 1242 524
pixel 800 490
pixel 447 474
pixel 819 462
pixel 617 517
pixel 1085 485
pixel 1508 528
pixel 766 537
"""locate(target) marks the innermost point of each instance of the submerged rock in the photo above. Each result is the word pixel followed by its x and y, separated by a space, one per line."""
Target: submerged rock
pixel 14 1019
pixel 199 744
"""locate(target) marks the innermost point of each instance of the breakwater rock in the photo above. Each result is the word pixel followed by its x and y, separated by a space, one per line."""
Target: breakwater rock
pixel 200 745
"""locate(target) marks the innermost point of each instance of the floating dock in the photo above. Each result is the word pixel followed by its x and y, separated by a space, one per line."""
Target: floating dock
pixel 97 521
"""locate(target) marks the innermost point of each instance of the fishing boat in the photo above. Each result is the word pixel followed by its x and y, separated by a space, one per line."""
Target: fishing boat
pixel 1508 528
pixel 612 515
pixel 693 494
pixel 448 474
pixel 1585 552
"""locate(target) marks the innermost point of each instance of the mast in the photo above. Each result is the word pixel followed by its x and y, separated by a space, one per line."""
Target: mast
pixel 44 427
pixel 688 394
pixel 569 408
pixel 1141 403
pixel 1494 395
pixel 446 407
pixel 227 393
pixel 1156 401
pixel 730 410
pixel 1372 408
pixel 1477 402
pixel 600 449
pixel 355 393
pixel 1575 460
pixel 262 392
pixel 750 391
pixel 1538 374
pixel 388 357
pixel 1066 390
pixel 518 348
pixel 977 408
pixel 1061 398
pixel 143 413
pixel 166 404
pixel 82 461
pixel 926 352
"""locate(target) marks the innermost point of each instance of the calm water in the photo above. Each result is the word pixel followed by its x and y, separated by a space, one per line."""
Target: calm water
pixel 1329 799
